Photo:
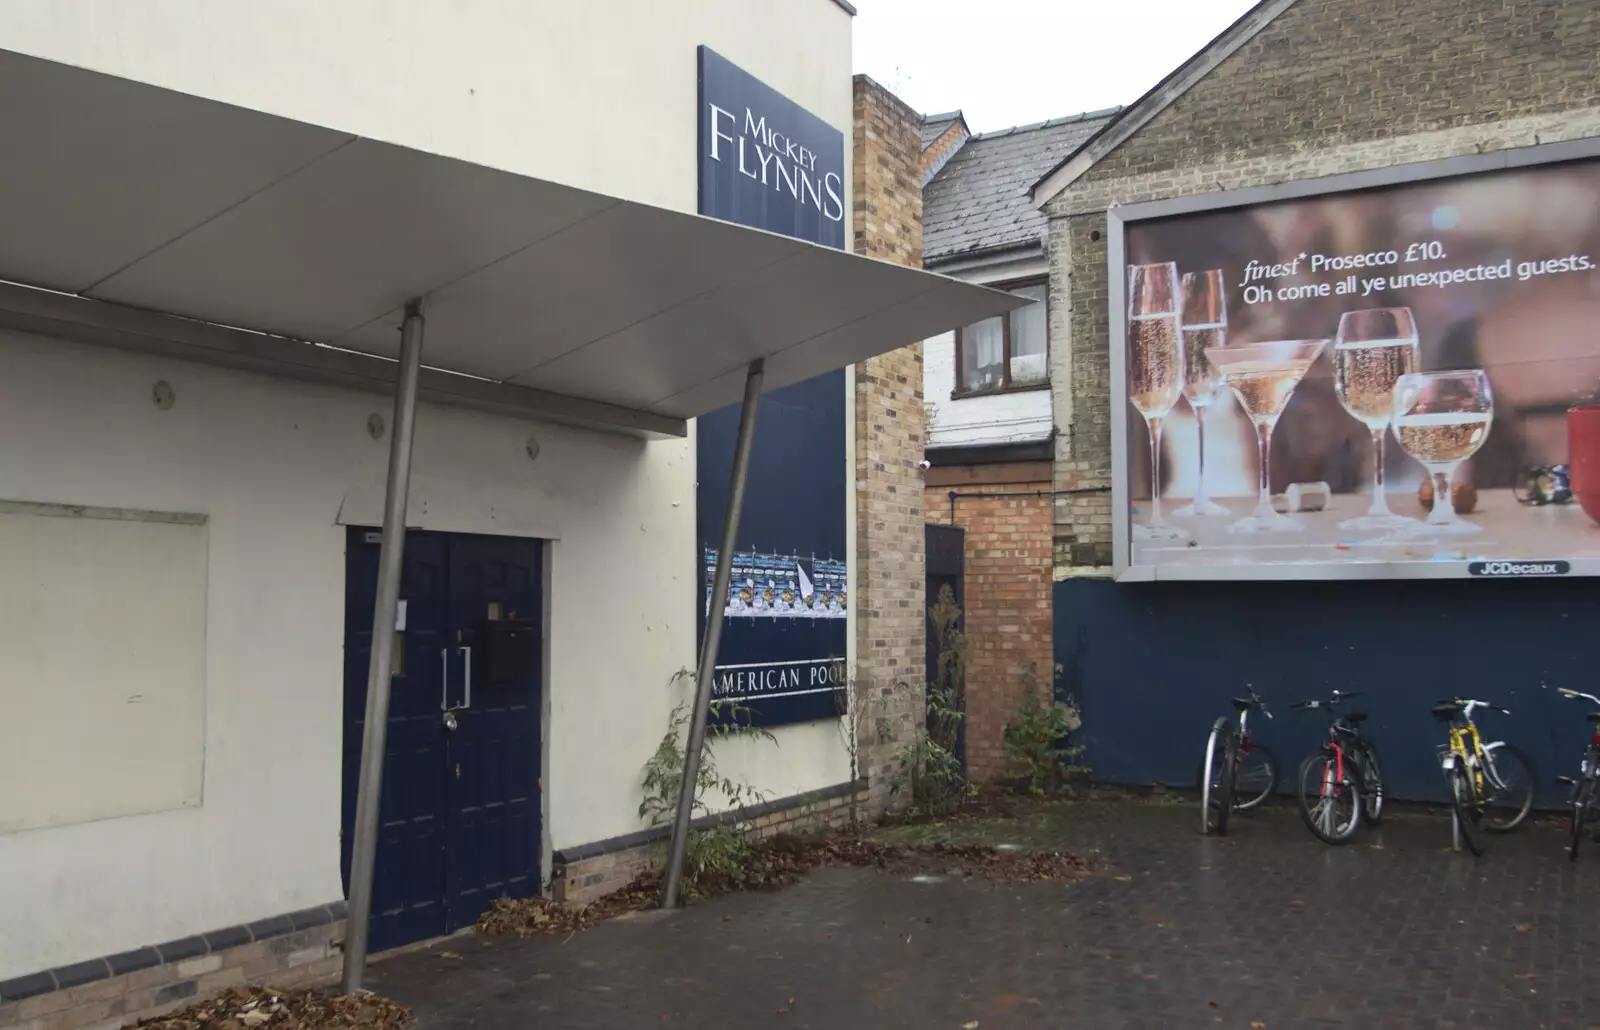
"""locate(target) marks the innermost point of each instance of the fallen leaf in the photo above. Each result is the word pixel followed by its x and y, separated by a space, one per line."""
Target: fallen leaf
pixel 1123 879
pixel 1256 1024
pixel 255 1017
pixel 1523 927
pixel 448 954
pixel 970 1026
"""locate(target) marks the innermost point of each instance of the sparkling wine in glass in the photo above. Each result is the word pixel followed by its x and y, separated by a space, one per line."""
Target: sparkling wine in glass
pixel 1205 324
pixel 1372 350
pixel 1263 377
pixel 1441 419
pixel 1155 371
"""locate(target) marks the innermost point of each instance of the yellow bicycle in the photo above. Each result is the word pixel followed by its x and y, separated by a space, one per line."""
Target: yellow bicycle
pixel 1490 783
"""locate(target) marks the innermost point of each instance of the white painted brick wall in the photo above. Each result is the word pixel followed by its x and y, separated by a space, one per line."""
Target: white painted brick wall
pixel 1021 417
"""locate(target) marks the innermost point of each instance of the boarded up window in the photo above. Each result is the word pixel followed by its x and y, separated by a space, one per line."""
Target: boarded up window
pixel 102 663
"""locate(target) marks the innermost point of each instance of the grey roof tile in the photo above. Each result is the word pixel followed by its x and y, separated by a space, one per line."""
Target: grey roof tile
pixel 979 199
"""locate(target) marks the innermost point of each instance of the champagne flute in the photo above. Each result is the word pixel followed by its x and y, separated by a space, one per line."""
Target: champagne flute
pixel 1263 377
pixel 1372 350
pixel 1441 419
pixel 1155 371
pixel 1205 324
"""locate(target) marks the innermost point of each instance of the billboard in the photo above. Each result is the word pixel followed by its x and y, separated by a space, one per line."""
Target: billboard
pixel 1382 375
pixel 766 162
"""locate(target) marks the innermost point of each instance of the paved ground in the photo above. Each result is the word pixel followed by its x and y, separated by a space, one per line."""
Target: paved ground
pixel 1267 927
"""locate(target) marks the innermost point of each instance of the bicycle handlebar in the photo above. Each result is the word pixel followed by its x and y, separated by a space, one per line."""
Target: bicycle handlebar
pixel 1468 704
pixel 1338 698
pixel 1578 693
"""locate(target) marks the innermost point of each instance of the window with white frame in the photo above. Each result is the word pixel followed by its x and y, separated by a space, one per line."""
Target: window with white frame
pixel 1007 352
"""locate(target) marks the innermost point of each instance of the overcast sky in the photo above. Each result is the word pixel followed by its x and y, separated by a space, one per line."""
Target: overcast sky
pixel 1010 62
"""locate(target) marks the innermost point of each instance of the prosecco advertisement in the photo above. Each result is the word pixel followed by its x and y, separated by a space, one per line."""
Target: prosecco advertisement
pixel 1399 381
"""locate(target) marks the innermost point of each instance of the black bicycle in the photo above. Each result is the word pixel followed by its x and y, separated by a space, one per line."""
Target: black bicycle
pixel 1239 772
pixel 1341 783
pixel 1586 785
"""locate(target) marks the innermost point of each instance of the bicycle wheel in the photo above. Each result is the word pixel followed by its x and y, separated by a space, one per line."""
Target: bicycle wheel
pixel 1257 778
pixel 1226 786
pixel 1366 759
pixel 1464 803
pixel 1582 798
pixel 1508 794
pixel 1211 776
pixel 1329 804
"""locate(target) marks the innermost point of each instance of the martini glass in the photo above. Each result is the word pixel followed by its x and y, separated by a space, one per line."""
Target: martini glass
pixel 1372 350
pixel 1155 372
pixel 1205 324
pixel 1441 419
pixel 1263 377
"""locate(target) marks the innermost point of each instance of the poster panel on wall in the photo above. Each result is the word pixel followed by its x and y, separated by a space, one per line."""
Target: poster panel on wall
pixel 766 162
pixel 1396 381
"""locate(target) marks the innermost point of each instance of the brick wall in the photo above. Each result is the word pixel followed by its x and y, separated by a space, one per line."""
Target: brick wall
pixel 943 145
pixel 1330 86
pixel 889 584
pixel 584 880
pixel 152 981
pixel 1007 602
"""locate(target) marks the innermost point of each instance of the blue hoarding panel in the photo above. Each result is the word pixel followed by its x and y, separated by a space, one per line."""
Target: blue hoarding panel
pixel 1153 664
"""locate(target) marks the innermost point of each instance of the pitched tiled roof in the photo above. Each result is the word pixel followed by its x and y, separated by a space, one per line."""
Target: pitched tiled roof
pixel 979 199
pixel 933 126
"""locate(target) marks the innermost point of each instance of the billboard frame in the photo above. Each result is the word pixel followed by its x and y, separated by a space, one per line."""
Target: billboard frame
pixel 1120 217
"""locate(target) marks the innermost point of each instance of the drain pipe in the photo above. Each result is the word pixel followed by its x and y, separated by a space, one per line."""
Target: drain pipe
pixel 1021 493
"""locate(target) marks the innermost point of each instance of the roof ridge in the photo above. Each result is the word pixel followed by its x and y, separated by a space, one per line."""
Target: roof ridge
pixel 1082 116
pixel 942 116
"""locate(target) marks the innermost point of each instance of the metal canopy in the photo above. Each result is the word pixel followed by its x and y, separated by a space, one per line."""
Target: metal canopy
pixel 146 198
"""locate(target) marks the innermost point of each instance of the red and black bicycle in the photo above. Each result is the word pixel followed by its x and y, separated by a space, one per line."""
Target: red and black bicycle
pixel 1341 783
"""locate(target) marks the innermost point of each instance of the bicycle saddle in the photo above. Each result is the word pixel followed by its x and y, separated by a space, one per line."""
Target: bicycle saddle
pixel 1446 710
pixel 1593 716
pixel 1242 703
pixel 1356 718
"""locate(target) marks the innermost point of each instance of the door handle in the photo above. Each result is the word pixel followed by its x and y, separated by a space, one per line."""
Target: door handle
pixel 444 679
pixel 466 671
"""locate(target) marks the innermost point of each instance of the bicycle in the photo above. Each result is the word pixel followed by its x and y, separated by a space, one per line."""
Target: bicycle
pixel 1491 785
pixel 1341 783
pixel 1239 772
pixel 1586 787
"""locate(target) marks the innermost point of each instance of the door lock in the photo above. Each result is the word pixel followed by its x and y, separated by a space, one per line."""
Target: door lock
pixel 450 720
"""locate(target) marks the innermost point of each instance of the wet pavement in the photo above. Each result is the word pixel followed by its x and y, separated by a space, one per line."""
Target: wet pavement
pixel 1264 928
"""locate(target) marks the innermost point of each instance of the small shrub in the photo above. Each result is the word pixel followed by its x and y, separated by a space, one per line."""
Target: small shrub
pixel 1037 741
pixel 720 850
pixel 930 767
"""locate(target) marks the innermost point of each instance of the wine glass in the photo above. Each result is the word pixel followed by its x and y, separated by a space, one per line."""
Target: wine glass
pixel 1155 371
pixel 1204 324
pixel 1263 376
pixel 1441 419
pixel 1373 349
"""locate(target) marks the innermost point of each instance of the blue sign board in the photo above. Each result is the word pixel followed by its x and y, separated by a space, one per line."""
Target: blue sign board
pixel 767 163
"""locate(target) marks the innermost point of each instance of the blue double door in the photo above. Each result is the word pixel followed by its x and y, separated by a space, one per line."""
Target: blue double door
pixel 460 819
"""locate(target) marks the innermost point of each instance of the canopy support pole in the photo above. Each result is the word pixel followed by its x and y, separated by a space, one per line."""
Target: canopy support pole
pixel 391 552
pixel 707 668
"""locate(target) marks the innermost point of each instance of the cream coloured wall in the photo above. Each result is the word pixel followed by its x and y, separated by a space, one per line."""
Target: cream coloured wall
pixel 272 465
pixel 598 94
